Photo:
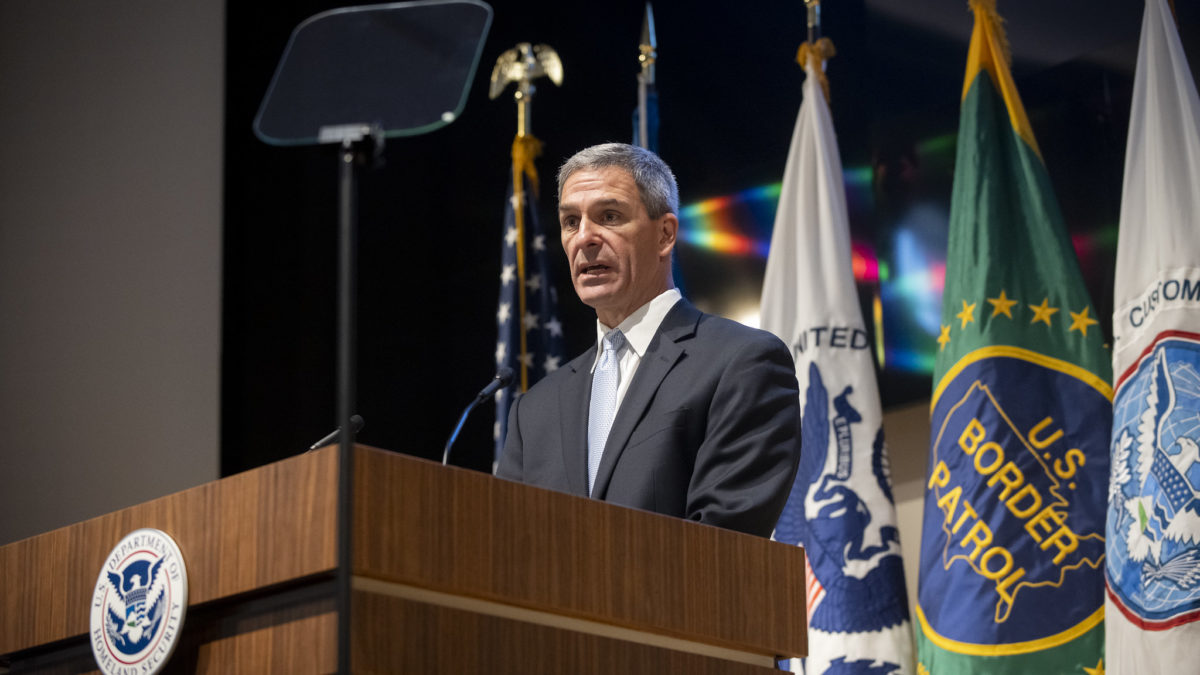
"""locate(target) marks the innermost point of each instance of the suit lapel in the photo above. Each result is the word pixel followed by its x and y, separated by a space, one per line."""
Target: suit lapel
pixel 575 397
pixel 662 355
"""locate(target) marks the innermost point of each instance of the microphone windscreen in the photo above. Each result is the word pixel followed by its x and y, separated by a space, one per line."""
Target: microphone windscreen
pixel 505 376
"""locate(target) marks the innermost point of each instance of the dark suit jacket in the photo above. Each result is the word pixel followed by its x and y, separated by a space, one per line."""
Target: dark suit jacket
pixel 709 428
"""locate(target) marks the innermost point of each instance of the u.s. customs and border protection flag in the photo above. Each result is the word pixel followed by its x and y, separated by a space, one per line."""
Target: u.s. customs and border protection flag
pixel 530 337
pixel 1013 534
pixel 1153 534
pixel 841 508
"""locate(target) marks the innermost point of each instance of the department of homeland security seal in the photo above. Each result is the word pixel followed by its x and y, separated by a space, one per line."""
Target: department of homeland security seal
pixel 139 604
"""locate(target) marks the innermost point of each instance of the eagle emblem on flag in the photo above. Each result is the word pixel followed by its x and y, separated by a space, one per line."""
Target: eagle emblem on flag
pixel 1154 552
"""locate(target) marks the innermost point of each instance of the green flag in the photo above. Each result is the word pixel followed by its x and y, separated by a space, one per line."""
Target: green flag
pixel 1012 548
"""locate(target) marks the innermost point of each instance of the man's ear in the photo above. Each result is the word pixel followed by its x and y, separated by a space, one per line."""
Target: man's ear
pixel 667 234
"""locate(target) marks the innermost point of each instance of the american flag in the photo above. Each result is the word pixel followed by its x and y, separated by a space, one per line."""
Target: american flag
pixel 529 335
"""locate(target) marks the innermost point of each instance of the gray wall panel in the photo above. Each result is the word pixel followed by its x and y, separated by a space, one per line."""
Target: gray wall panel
pixel 110 255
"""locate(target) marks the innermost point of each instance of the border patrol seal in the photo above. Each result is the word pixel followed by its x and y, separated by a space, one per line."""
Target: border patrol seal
pixel 1013 513
pixel 139 604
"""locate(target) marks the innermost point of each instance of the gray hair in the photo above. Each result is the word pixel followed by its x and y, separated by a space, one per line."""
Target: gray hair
pixel 655 182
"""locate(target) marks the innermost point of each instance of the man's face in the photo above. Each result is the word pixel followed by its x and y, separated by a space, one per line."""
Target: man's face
pixel 619 257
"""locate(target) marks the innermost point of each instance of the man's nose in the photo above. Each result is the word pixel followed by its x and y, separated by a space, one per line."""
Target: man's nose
pixel 588 233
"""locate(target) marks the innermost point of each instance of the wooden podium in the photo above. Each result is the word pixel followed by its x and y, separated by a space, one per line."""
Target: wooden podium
pixel 453 572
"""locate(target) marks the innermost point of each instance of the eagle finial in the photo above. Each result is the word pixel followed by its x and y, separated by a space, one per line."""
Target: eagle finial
pixel 523 64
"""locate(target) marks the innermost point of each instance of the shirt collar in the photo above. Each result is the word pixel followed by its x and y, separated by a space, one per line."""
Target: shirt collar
pixel 639 328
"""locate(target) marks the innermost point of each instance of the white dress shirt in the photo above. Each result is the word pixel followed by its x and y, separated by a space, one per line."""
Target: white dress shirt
pixel 638 329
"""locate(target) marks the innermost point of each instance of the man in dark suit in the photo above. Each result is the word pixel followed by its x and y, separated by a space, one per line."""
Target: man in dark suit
pixel 671 410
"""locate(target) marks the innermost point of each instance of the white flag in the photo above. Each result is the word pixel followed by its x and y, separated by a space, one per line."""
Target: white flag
pixel 841 507
pixel 1152 614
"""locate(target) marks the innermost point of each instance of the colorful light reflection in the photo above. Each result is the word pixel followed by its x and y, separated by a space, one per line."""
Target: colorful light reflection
pixel 720 224
pixel 1088 246
pixel 740 224
pixel 906 288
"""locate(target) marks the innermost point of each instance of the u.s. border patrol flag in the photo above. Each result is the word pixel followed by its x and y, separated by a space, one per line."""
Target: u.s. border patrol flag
pixel 1153 565
pixel 530 338
pixel 841 508
pixel 1013 533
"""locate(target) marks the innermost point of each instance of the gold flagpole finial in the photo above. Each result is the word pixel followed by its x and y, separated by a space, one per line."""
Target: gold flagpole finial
pixel 817 47
pixel 647 55
pixel 648 46
pixel 523 64
pixel 814 20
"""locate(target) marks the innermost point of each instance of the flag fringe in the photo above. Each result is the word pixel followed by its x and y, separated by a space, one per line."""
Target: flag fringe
pixel 985 10
pixel 990 51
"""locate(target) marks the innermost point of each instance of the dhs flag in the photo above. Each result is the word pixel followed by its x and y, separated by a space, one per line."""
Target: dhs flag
pixel 841 507
pixel 1013 532
pixel 530 338
pixel 1153 564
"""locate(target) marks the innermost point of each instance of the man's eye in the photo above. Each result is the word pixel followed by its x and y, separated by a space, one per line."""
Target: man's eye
pixel 570 223
pixel 612 217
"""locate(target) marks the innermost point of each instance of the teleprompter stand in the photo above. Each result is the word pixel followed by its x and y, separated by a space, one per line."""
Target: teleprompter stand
pixel 356 76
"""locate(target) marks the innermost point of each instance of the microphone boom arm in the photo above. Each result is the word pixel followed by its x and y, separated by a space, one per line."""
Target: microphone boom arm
pixel 503 378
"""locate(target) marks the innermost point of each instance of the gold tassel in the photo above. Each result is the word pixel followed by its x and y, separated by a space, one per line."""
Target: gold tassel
pixel 822 51
pixel 525 149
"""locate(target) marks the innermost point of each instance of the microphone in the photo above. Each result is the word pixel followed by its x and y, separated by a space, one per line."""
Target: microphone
pixel 503 378
pixel 356 425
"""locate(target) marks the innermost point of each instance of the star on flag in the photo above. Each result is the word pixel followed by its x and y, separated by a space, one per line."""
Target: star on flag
pixel 967 315
pixel 1002 305
pixel 527 299
pixel 1080 321
pixel 1043 312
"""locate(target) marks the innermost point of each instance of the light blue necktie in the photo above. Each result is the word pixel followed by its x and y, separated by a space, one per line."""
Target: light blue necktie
pixel 603 406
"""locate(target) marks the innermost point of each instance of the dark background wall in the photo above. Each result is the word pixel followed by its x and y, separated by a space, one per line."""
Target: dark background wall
pixel 729 93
